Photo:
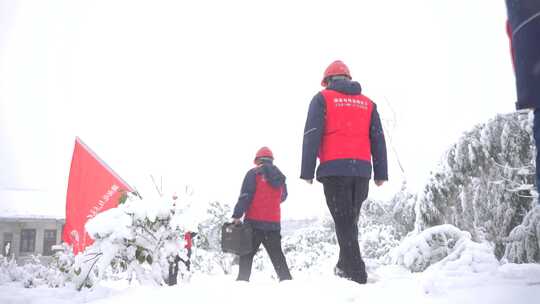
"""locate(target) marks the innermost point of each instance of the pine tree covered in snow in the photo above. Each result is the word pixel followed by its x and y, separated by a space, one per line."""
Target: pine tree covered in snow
pixel 524 240
pixel 484 184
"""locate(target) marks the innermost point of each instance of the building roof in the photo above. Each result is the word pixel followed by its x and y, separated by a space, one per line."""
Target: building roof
pixel 29 204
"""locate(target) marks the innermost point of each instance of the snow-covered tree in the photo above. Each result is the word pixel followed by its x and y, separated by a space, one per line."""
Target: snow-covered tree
pixel 484 183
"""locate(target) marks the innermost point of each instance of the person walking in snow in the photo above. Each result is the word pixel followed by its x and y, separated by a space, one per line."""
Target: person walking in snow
pixel 188 238
pixel 263 190
pixel 173 264
pixel 523 28
pixel 344 131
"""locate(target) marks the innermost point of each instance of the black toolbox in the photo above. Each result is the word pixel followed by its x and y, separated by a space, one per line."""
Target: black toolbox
pixel 236 239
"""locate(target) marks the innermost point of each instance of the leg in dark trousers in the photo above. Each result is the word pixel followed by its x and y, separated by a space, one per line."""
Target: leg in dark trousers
pixel 246 261
pixel 536 135
pixel 272 244
pixel 271 241
pixel 173 271
pixel 188 261
pixel 344 197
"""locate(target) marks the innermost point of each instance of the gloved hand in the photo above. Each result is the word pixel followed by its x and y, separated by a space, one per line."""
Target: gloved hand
pixel 237 221
pixel 379 182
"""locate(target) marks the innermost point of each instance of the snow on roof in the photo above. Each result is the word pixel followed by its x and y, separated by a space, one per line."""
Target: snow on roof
pixel 29 203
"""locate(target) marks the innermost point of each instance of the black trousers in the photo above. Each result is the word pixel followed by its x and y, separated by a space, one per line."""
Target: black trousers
pixel 173 267
pixel 536 135
pixel 271 241
pixel 344 197
pixel 173 272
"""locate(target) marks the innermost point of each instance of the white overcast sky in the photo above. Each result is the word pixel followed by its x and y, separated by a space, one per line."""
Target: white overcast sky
pixel 189 90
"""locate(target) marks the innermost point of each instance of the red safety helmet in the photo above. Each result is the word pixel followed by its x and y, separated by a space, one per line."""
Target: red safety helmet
pixel 334 69
pixel 264 152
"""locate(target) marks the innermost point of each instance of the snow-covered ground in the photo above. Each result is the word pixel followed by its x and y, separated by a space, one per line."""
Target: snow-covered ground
pixel 452 268
pixel 510 283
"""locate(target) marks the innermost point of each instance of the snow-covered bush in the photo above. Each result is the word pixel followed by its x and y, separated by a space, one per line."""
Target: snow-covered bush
pixel 9 271
pixel 307 247
pixel 212 261
pixel 440 243
pixel 36 274
pixel 210 227
pixel 380 230
pixel 315 246
pixel 467 256
pixel 207 255
pixel 383 224
pixel 31 274
pixel 63 259
pixel 138 239
pixel 468 261
pixel 524 240
pixel 376 241
pixel 402 210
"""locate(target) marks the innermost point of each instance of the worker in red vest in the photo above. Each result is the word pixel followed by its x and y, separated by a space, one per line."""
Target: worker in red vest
pixel 344 131
pixel 173 265
pixel 188 239
pixel 262 192
pixel 188 243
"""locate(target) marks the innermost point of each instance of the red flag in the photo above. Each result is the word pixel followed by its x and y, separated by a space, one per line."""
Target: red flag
pixel 93 187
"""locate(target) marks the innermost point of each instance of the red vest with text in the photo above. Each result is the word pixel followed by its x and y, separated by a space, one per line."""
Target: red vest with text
pixel 265 205
pixel 346 133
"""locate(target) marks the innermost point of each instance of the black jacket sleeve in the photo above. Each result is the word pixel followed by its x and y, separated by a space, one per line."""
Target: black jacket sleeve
pixel 378 147
pixel 246 194
pixel 312 136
